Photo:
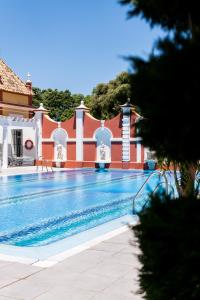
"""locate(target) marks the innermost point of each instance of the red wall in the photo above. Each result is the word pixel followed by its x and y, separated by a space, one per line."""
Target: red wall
pixel 71 150
pixel 48 150
pixel 90 125
pixel 133 152
pixel 48 126
pixel 115 125
pixel 89 151
pixel 142 154
pixel 70 127
pixel 132 124
pixel 116 151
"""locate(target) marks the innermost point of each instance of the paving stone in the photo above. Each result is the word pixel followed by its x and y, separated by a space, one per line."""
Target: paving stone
pixel 111 269
pixel 17 270
pixel 24 289
pixel 109 296
pixel 92 282
pixel 80 263
pixel 104 272
pixel 65 294
pixel 6 281
pixel 53 278
pixel 122 257
pixel 131 249
pixel 125 258
pixel 4 263
pixel 89 256
pixel 6 298
pixel 109 247
pixel 123 238
pixel 6 278
pixel 123 287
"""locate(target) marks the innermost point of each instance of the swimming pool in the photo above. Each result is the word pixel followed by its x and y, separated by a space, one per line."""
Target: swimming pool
pixel 40 209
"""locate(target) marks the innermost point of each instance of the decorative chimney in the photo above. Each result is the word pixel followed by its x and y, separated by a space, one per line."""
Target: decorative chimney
pixel 82 106
pixel 29 82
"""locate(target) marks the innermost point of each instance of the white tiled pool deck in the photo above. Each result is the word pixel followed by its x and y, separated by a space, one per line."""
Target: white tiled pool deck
pixel 26 170
pixel 107 271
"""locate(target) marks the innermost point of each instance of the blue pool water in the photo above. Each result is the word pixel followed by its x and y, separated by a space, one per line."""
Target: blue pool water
pixel 39 209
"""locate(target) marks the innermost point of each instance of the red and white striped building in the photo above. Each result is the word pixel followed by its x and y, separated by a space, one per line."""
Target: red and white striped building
pixel 84 141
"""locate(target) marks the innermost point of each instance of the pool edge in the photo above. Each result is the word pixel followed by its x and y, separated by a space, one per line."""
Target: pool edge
pixel 60 256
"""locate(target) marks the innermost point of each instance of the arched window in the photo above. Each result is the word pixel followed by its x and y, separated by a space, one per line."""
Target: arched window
pixel 103 137
pixel 60 137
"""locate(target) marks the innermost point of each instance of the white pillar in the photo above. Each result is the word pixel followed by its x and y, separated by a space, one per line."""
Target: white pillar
pixel 5 148
pixel 126 138
pixel 138 152
pixel 79 135
pixel 126 133
pixel 80 110
pixel 146 150
pixel 38 130
pixel 38 138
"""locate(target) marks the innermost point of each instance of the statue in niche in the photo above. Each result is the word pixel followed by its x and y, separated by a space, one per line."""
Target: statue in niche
pixel 59 152
pixel 102 151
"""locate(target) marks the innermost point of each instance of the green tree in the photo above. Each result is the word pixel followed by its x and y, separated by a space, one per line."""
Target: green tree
pixel 103 103
pixel 166 85
pixel 61 104
pixel 106 97
pixel 37 98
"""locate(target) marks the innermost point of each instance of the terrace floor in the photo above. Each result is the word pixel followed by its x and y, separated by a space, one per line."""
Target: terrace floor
pixel 27 170
pixel 107 271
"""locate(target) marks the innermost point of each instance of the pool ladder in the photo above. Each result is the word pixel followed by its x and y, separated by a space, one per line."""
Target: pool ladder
pixel 167 184
pixel 44 164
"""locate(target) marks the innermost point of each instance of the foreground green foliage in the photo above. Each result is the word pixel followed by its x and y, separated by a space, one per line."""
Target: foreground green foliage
pixel 165 87
pixel 169 239
pixel 176 15
pixel 166 84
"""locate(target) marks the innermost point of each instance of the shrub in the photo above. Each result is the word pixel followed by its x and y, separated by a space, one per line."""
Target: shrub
pixel 169 238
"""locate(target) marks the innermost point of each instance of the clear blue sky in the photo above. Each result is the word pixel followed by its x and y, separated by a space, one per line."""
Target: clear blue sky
pixel 70 44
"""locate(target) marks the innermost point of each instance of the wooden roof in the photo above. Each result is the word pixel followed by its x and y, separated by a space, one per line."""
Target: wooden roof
pixel 10 82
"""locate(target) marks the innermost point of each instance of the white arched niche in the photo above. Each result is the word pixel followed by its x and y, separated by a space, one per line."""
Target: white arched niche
pixel 103 138
pixel 59 137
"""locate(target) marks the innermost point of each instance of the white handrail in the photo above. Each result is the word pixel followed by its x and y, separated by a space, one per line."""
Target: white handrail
pixel 44 164
pixel 145 182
